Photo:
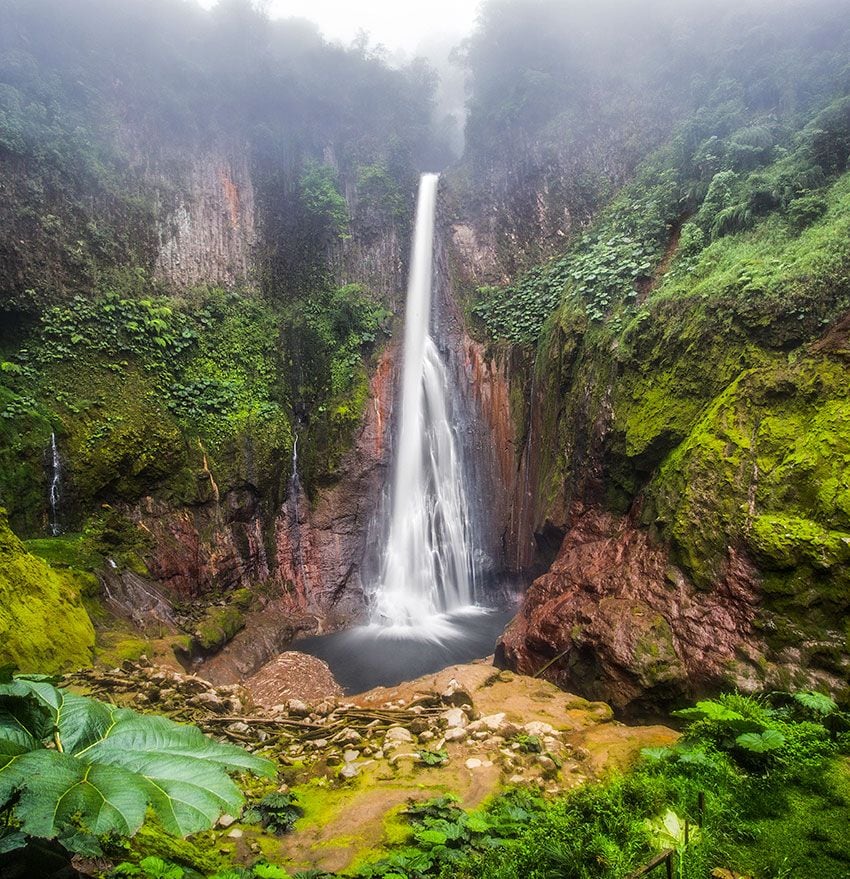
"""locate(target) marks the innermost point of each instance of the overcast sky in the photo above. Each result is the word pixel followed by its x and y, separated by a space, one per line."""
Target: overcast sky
pixel 398 24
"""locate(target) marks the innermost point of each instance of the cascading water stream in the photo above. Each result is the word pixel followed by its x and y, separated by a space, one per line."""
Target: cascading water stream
pixel 55 487
pixel 295 495
pixel 423 612
pixel 427 565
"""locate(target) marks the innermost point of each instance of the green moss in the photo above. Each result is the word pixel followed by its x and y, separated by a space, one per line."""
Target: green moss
pixel 242 599
pixel 109 534
pixel 67 551
pixel 24 442
pixel 43 625
pixel 655 656
pixel 321 802
pixel 789 541
pixel 198 852
pixel 217 627
pixel 122 441
pixel 112 652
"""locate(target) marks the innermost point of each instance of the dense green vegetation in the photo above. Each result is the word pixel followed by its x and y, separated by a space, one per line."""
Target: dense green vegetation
pixel 670 235
pixel 563 113
pixel 84 89
pixel 701 188
pixel 142 383
pixel 763 785
pixel 689 338
pixel 32 595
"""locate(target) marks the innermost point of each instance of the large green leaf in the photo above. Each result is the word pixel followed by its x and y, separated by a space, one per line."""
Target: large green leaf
pixel 761 743
pixel 56 787
pixel 709 710
pixel 76 760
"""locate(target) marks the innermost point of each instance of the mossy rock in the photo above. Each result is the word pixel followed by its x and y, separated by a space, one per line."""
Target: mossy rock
pixel 218 626
pixel 43 624
pixel 788 541
pixel 125 442
pixel 65 551
pixel 196 853
pixel 242 599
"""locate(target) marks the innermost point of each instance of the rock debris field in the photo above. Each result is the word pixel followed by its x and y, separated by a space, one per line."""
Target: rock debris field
pixel 353 761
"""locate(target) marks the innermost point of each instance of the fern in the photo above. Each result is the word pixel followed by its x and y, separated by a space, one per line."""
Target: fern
pixel 817 703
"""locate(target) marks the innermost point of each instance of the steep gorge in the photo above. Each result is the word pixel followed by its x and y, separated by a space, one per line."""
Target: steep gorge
pixel 644 316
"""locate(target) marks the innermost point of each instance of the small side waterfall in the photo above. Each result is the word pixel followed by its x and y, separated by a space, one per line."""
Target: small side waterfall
pixel 427 565
pixel 294 499
pixel 55 486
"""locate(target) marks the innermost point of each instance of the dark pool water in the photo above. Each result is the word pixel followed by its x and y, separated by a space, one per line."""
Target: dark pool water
pixel 374 656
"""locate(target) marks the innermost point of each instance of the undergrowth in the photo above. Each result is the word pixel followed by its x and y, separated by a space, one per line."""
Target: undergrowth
pixel 756 786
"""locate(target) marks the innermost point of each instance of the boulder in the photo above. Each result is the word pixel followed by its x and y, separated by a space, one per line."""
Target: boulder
pixel 398 734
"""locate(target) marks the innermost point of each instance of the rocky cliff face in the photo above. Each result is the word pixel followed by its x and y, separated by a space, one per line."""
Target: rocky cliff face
pixel 209 234
pixel 614 616
pixel 305 556
pixel 685 462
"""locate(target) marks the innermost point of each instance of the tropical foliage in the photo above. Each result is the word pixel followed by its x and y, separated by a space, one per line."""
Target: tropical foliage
pixel 75 769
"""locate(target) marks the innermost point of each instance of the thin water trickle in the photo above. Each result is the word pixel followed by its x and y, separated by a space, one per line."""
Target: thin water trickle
pixel 427 566
pixel 55 487
pixel 295 496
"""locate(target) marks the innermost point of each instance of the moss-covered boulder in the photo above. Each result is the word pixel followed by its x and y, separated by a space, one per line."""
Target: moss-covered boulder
pixel 768 468
pixel 218 626
pixel 43 625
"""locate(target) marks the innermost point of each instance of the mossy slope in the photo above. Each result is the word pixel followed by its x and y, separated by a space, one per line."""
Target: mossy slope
pixel 710 397
pixel 43 625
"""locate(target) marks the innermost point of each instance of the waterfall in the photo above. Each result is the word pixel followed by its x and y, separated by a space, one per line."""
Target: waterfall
pixel 427 565
pixel 55 486
pixel 294 497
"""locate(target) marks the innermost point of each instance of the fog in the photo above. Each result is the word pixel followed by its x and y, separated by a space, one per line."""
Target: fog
pixel 398 26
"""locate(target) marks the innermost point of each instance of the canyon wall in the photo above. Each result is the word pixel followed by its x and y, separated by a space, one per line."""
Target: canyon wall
pixel 209 233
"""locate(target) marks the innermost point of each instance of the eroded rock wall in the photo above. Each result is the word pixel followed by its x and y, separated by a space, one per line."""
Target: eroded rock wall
pixel 616 617
pixel 306 554
pixel 208 233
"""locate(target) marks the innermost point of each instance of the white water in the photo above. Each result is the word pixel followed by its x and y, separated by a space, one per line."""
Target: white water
pixel 295 495
pixel 427 567
pixel 55 487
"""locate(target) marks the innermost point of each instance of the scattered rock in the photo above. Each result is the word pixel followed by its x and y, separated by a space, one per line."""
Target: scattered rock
pixel 454 717
pixel 398 734
pixel 212 702
pixel 226 820
pixel 350 756
pixel 456 734
pixel 454 694
pixel 350 736
pixel 297 708
pixel 236 833
pixel 547 763
pixel 349 771
pixel 473 763
pixel 537 728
